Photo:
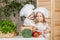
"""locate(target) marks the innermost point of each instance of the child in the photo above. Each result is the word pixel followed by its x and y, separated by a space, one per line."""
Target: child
pixel 42 25
pixel 27 11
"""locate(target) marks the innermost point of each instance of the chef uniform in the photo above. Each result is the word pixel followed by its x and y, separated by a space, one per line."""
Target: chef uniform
pixel 42 26
pixel 26 11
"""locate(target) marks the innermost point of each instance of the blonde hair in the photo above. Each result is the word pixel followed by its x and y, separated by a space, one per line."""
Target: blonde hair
pixel 44 21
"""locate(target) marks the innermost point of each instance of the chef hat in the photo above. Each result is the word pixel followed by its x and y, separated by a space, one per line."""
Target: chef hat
pixel 28 12
pixel 42 10
pixel 26 9
pixel 29 6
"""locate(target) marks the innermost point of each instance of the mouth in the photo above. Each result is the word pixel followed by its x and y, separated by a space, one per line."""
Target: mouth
pixel 32 19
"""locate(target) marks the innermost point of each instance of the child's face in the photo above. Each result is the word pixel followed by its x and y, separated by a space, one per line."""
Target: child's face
pixel 32 16
pixel 39 17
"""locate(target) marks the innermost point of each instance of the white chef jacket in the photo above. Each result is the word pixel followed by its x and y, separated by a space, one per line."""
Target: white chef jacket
pixel 29 22
pixel 42 27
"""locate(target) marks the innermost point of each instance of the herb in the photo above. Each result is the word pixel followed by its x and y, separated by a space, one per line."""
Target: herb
pixel 7 26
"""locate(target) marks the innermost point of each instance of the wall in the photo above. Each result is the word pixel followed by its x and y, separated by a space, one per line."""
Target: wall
pixel 57 20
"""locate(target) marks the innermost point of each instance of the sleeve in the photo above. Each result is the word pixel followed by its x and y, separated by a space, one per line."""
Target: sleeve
pixel 26 22
pixel 47 29
pixel 47 26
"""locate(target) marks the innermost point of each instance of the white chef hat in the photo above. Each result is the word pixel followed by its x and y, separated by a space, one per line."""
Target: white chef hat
pixel 28 13
pixel 42 10
pixel 27 9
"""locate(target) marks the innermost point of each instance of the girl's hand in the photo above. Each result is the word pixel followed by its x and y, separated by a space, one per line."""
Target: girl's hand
pixel 47 30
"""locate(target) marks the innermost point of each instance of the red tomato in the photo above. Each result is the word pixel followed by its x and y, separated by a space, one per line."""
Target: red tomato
pixel 36 34
pixel 39 33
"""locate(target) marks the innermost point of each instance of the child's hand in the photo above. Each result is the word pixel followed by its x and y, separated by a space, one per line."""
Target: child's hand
pixel 34 29
pixel 47 30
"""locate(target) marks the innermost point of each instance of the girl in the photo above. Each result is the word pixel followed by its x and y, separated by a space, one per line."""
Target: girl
pixel 41 24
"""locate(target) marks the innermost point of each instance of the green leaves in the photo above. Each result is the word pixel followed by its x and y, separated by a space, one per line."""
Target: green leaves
pixel 28 1
pixel 12 7
pixel 7 26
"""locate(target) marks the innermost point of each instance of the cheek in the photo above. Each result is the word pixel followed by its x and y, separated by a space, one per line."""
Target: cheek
pixel 41 18
pixel 31 17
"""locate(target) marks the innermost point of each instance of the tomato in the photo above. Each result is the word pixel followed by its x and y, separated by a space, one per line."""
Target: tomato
pixel 39 33
pixel 36 34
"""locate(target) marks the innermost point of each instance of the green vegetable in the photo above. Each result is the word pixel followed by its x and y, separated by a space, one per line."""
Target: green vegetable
pixel 27 33
pixel 7 26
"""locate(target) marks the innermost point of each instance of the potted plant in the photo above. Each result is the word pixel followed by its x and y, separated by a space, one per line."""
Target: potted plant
pixel 7 28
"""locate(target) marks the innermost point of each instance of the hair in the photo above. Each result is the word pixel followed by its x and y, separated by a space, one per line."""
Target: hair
pixel 44 21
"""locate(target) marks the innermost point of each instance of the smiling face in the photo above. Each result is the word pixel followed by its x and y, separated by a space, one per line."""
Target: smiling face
pixel 40 17
pixel 32 16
